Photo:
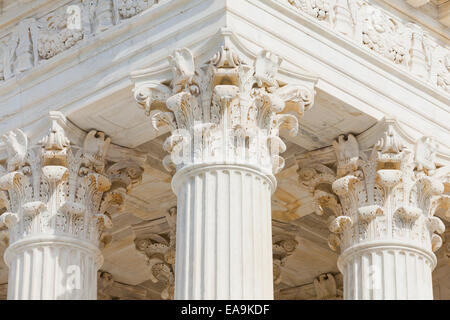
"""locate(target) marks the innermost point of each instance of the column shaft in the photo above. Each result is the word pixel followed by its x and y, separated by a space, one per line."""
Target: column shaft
pixel 387 273
pixel 224 233
pixel 52 270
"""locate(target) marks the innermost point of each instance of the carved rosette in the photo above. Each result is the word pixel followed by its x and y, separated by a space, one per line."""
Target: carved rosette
pixel 55 188
pixel 390 192
pixel 224 111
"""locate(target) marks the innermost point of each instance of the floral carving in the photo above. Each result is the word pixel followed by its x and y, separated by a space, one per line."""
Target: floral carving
pixel 130 8
pixel 58 187
pixel 403 43
pixel 319 9
pixel 390 193
pixel 54 34
pixel 224 110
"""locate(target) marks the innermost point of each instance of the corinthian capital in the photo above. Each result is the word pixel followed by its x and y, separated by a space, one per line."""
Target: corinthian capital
pixel 225 110
pixel 391 190
pixel 56 187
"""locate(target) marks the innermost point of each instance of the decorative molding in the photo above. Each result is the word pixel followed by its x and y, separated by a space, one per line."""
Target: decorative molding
pixel 37 39
pixel 224 110
pixel 318 178
pixel 405 44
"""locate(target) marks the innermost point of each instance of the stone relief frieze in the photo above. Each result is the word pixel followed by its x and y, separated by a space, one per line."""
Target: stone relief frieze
pixel 130 8
pixel 37 39
pixel 403 43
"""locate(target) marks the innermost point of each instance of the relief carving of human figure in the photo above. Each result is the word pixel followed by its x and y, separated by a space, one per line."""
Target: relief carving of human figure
pixel 105 14
pixel 443 74
pixel 26 48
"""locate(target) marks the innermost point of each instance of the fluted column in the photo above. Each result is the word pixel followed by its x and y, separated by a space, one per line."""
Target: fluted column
pixel 224 239
pixel 55 196
pixel 387 228
pixel 224 117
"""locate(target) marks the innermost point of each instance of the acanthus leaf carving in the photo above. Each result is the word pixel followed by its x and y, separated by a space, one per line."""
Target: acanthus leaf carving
pixel 390 194
pixel 224 110
pixel 55 186
pixel 40 38
pixel 318 179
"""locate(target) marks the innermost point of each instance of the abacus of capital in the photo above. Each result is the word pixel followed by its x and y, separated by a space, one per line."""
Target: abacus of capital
pixel 225 150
